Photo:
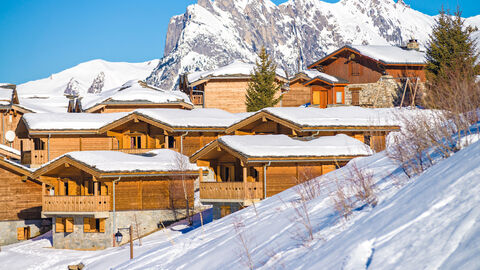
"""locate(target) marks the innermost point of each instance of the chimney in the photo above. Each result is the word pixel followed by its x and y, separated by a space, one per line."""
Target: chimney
pixel 413 45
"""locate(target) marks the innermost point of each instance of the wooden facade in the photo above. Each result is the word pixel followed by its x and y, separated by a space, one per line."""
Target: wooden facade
pixel 241 179
pixel 20 196
pixel 298 94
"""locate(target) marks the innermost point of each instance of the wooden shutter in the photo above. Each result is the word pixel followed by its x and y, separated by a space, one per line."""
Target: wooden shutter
pixel 68 224
pixel 102 225
pixel 93 225
pixel 21 233
pixel 86 225
pixel 355 97
pixel 59 226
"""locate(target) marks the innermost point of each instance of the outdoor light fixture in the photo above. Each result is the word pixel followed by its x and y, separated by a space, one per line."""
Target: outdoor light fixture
pixel 118 237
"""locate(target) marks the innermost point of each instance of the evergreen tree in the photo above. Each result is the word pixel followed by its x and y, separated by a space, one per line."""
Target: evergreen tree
pixel 450 46
pixel 262 86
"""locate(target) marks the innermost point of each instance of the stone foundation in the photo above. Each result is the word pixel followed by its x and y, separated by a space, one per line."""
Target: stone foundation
pixel 147 220
pixel 8 229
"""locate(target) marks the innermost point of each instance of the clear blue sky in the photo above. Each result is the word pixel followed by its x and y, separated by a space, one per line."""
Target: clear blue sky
pixel 42 37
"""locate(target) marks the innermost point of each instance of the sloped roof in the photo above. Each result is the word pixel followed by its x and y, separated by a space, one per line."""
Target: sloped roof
pixel 312 74
pixel 283 146
pixel 135 92
pixel 237 68
pixel 385 54
pixel 69 121
pixel 108 162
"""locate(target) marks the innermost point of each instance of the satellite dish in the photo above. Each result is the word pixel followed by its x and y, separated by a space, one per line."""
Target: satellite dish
pixel 10 136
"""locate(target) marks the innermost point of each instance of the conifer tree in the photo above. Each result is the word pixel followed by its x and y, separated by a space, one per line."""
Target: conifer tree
pixel 450 46
pixel 262 86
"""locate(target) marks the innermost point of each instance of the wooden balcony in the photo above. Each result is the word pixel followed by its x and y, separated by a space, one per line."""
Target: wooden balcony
pixel 34 157
pixel 231 191
pixel 72 204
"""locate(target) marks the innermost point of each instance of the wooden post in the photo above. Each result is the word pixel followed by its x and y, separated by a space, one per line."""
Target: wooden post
pixel 200 175
pixel 131 241
pixel 95 187
pixel 43 192
pixel 245 181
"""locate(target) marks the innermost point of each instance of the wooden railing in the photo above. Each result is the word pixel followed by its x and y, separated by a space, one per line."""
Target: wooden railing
pixel 34 157
pixel 135 150
pixel 231 190
pixel 76 204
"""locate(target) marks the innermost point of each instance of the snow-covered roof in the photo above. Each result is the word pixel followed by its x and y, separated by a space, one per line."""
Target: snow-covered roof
pixel 133 91
pixel 315 74
pixel 69 121
pixel 160 160
pixel 335 116
pixel 390 54
pixel 284 146
pixel 10 149
pixel 6 95
pixel 200 118
pixel 237 68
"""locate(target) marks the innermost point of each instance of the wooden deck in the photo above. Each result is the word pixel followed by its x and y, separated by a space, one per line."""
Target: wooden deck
pixel 76 204
pixel 231 191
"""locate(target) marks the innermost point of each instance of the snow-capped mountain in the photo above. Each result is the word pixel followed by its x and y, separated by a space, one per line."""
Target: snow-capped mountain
pixel 88 75
pixel 214 33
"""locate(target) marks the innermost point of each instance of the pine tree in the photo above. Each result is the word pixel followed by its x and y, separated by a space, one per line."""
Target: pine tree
pixel 450 46
pixel 262 86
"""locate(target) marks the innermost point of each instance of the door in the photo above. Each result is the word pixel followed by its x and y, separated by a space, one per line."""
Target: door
pixel 323 99
pixel 316 98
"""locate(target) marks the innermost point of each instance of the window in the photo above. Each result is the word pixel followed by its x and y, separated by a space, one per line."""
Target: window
pixel 339 97
pixel 94 225
pixel 355 68
pixel 38 144
pixel 136 142
pixel 227 173
pixel 23 233
pixel 171 142
pixel 63 225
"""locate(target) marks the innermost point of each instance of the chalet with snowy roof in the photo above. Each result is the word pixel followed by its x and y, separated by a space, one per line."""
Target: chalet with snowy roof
pixel 132 95
pixel 11 112
pixel 21 202
pixel 90 194
pixel 48 136
pixel 249 168
pixel 370 126
pixel 223 88
pixel 368 75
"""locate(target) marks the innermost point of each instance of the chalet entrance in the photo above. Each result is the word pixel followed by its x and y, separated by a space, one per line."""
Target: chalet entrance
pixel 320 98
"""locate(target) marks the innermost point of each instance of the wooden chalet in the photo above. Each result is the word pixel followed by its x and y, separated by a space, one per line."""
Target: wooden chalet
pixel 361 70
pixel 223 88
pixel 367 125
pixel 90 194
pixel 49 136
pixel 131 96
pixel 21 202
pixel 249 168
pixel 11 113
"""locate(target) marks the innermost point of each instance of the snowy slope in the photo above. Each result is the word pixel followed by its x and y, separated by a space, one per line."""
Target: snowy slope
pixel 211 34
pixel 430 223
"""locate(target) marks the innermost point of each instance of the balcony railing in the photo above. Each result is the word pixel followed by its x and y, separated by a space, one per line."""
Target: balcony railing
pixel 197 99
pixel 231 190
pixel 34 157
pixel 76 204
pixel 135 150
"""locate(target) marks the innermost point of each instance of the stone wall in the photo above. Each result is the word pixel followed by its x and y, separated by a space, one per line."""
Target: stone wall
pixel 381 94
pixel 8 229
pixel 148 221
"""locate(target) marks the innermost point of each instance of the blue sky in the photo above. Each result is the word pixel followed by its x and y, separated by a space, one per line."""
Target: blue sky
pixel 42 37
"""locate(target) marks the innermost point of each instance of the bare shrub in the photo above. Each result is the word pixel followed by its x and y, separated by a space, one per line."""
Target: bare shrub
pixel 342 203
pixel 302 215
pixel 307 184
pixel 244 242
pixel 362 184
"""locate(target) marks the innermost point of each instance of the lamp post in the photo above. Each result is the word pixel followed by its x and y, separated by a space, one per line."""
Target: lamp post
pixel 119 237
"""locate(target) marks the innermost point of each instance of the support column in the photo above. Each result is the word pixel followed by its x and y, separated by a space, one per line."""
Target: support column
pixel 95 187
pixel 245 182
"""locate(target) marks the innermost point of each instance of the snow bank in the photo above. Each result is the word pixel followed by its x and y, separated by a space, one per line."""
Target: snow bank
pixel 285 146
